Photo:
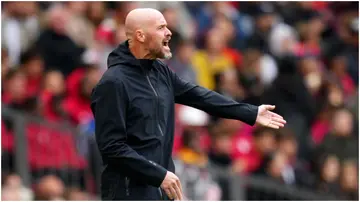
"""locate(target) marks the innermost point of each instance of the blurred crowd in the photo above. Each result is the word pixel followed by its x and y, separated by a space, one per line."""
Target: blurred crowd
pixel 300 56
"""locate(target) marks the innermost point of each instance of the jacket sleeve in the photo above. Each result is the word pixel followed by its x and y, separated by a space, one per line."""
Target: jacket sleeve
pixel 109 104
pixel 212 102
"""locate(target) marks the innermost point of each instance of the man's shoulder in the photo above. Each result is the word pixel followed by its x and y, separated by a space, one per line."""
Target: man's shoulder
pixel 118 71
pixel 112 75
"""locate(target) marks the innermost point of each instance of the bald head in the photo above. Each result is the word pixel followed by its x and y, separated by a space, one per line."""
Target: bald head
pixel 140 19
pixel 147 32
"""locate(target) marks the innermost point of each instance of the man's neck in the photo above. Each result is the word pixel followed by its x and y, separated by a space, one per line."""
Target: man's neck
pixel 139 52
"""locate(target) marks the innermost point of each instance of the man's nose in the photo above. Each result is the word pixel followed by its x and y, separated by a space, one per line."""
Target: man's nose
pixel 168 32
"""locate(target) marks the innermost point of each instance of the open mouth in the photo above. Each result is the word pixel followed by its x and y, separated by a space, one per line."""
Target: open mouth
pixel 165 43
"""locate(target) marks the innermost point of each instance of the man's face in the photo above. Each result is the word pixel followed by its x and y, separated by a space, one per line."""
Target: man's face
pixel 343 123
pixel 266 142
pixel 157 39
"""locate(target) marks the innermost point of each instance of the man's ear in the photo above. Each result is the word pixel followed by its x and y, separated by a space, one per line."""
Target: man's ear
pixel 140 35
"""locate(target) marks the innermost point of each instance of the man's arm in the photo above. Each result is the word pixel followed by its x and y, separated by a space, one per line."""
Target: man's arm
pixel 109 103
pixel 212 102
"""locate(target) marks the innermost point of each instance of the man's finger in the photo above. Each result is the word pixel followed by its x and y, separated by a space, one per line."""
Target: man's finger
pixel 174 193
pixel 273 126
pixel 278 120
pixel 269 107
pixel 179 185
pixel 168 193
pixel 276 115
pixel 178 193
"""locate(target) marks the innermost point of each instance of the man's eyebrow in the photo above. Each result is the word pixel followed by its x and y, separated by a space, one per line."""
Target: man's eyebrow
pixel 162 25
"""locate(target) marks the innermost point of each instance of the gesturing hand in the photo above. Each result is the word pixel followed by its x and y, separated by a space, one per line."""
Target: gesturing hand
pixel 172 186
pixel 269 119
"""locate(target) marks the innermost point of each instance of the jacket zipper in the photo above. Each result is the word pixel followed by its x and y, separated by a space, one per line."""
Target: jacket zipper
pixel 157 113
pixel 157 102
pixel 127 182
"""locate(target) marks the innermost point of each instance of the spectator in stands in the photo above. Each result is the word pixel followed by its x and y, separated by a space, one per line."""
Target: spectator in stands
pixel 310 28
pixel 20 28
pixel 274 171
pixel 212 61
pixel 193 120
pixel 264 16
pixel 329 176
pixel 49 188
pixel 329 99
pixel 223 22
pixel 52 96
pixel 310 69
pixel 192 170
pixel 191 151
pixel 208 12
pixel 321 125
pixel 250 151
pixel 220 158
pixel 12 189
pixel 345 36
pixel 57 48
pixel 338 66
pixel 75 103
pixel 293 99
pixel 349 180
pixel 296 172
pixel 266 23
pixel 96 12
pixel 78 105
pixel 276 166
pixel 181 63
pixel 14 89
pixel 54 83
pixel 335 95
pixel 282 40
pixel 79 28
pixel 32 65
pixel 225 127
pixel 250 75
pixel 229 85
pixel 220 151
pixel 340 141
pixel 288 145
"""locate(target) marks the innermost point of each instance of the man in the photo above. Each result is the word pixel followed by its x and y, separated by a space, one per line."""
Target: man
pixel 133 105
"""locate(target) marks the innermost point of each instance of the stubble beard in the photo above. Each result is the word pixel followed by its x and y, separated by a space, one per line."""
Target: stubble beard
pixel 160 54
pixel 167 56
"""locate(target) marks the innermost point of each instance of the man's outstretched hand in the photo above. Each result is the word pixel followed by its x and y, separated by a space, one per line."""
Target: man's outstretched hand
pixel 269 119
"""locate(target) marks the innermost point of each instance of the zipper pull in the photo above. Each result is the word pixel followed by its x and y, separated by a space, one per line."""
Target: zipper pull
pixel 127 182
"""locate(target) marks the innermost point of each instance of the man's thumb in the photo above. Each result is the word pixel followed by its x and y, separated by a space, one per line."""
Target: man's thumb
pixel 270 107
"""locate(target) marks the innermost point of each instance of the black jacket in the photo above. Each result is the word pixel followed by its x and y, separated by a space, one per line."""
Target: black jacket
pixel 65 57
pixel 133 105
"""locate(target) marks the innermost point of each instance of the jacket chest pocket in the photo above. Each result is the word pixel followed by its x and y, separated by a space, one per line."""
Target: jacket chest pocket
pixel 166 99
pixel 144 108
